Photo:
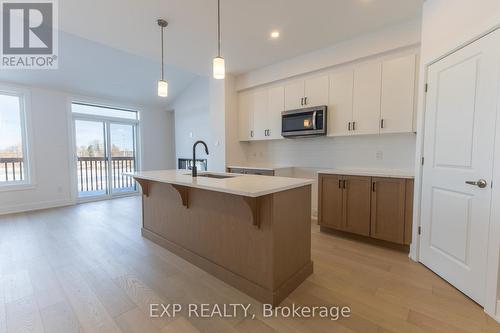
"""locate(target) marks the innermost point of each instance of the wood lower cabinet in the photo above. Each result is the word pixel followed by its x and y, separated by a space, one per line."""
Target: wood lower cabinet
pixel 357 205
pixel 380 208
pixel 388 209
pixel 344 203
pixel 331 201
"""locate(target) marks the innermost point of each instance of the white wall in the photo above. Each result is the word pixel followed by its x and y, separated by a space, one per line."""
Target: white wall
pixel 205 111
pixel 235 152
pixel 191 109
pixel 158 140
pixel 446 26
pixel 49 134
pixel 217 122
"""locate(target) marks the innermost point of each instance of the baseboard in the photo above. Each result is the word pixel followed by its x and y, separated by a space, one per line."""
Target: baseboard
pixel 35 206
pixel 496 316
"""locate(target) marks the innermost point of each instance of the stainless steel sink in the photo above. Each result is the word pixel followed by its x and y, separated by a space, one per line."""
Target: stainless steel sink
pixel 214 175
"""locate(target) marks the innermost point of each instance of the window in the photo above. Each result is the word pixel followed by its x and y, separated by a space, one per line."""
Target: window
pixel 103 111
pixel 13 147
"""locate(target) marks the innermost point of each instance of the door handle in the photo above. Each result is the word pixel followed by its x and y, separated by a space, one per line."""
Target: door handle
pixel 353 125
pixel 481 183
pixel 305 100
pixel 381 123
pixel 349 126
pixel 302 101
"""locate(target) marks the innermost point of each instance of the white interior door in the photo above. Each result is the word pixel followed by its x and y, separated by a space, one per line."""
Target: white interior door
pixel 460 117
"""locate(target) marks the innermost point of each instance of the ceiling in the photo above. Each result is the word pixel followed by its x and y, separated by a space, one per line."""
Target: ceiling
pixel 305 25
pixel 112 47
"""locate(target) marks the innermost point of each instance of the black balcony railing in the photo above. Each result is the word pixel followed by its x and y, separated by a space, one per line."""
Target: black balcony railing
pixel 93 174
pixel 11 169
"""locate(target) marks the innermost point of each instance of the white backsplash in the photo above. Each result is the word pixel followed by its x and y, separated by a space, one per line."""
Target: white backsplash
pixel 394 151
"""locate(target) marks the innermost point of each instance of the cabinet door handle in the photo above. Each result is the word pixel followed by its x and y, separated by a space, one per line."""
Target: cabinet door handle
pixel 381 123
pixel 340 183
pixel 344 184
pixel 268 132
pixel 302 101
pixel 374 187
pixel 353 125
pixel 349 126
pixel 251 134
pixel 305 100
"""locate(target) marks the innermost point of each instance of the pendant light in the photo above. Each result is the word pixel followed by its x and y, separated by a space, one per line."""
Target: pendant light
pixel 219 64
pixel 162 83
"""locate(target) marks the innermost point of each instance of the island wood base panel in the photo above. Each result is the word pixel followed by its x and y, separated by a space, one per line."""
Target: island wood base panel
pixel 274 297
pixel 217 232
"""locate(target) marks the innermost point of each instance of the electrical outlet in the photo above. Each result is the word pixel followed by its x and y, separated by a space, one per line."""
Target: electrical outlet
pixel 379 155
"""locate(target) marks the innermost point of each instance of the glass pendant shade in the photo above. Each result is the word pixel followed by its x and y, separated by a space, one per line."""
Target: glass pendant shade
pixel 162 88
pixel 219 68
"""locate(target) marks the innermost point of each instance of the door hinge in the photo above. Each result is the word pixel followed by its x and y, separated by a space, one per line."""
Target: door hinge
pixel 419 230
pixel 423 160
pixel 426 89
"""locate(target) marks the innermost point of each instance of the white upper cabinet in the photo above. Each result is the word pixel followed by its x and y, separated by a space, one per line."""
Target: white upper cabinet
pixel 370 98
pixel 339 112
pixel 294 95
pixel 316 91
pixel 366 99
pixel 245 123
pixel 276 105
pixel 398 95
pixel 259 111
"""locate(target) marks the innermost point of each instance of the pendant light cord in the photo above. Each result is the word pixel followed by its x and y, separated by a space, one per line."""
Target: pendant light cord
pixel 218 28
pixel 162 64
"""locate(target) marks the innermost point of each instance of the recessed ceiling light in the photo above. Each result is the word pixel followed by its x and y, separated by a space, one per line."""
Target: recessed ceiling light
pixel 275 34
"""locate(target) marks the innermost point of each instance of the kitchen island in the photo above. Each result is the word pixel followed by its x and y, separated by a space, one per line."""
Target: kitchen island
pixel 253 232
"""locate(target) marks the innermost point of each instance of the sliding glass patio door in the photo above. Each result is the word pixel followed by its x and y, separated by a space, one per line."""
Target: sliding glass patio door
pixel 122 156
pixel 91 158
pixel 105 149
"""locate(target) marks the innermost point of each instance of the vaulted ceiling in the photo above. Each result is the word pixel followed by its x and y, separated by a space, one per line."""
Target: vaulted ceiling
pixel 112 47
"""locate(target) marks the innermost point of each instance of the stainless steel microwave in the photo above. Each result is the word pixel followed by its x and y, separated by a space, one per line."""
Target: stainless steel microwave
pixel 304 122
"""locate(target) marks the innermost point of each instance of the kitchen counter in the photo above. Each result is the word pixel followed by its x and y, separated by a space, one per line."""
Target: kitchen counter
pixel 253 232
pixel 244 185
pixel 387 173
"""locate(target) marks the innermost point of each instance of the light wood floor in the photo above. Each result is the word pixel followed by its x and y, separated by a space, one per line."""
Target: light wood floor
pixel 87 269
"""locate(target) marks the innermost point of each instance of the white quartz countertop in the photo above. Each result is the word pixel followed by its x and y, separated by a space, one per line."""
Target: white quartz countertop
pixel 389 173
pixel 258 167
pixel 244 185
